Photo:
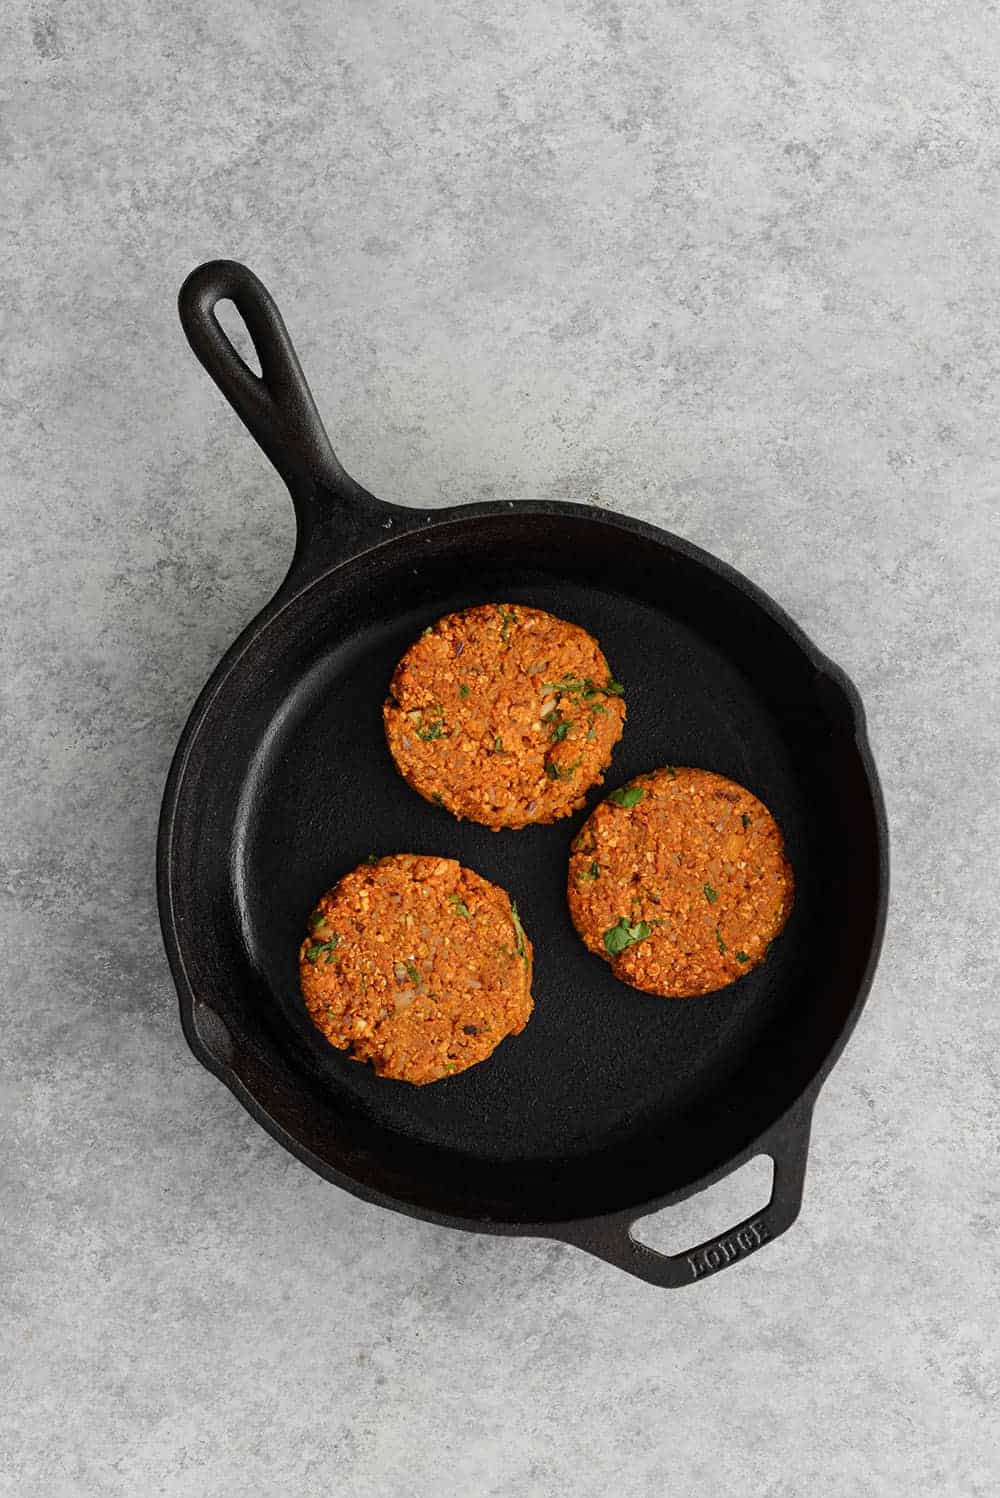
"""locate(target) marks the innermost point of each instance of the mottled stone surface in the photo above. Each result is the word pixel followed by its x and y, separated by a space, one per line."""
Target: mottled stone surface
pixel 731 268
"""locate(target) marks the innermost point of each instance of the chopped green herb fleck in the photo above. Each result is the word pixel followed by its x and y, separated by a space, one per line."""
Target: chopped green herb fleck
pixel 436 796
pixel 432 731
pixel 627 795
pixel 498 746
pixel 742 957
pixel 449 1066
pixel 428 631
pixel 522 950
pixel 719 942
pixel 670 772
pixel 413 974
pixel 316 950
pixel 459 906
pixel 507 618
pixel 745 820
pixel 562 772
pixel 506 952
pixel 586 687
pixel 590 735
pixel 560 731
pixel 551 716
pixel 589 875
pixel 622 935
pixel 463 691
pixel 372 858
pixel 711 895
pixel 316 919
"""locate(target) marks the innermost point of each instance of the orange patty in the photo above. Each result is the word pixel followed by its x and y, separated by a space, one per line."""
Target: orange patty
pixel 680 881
pixel 417 965
pixel 504 714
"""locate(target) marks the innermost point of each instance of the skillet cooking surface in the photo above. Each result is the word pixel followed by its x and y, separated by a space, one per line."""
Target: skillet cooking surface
pixel 598 1061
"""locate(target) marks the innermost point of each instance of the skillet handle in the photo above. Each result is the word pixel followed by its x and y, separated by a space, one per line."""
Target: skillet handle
pixel 788 1146
pixel 336 517
pixel 275 406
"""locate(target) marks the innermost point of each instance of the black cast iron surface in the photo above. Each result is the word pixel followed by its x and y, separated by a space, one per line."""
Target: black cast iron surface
pixel 612 1103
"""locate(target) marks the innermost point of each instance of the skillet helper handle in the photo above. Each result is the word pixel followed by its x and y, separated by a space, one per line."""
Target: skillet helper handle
pixel 788 1146
pixel 275 406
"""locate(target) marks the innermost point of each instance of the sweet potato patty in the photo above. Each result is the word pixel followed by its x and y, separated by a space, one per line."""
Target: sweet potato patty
pixel 504 714
pixel 417 965
pixel 680 881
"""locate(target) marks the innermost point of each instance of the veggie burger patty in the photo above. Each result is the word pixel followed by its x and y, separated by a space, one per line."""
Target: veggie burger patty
pixel 417 965
pixel 503 714
pixel 679 880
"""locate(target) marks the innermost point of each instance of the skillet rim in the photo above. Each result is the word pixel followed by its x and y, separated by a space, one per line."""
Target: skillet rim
pixel 311 568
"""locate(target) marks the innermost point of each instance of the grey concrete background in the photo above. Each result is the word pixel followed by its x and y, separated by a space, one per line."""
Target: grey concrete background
pixel 731 268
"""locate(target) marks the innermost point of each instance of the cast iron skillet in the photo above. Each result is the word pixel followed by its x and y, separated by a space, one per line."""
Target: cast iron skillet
pixel 613 1103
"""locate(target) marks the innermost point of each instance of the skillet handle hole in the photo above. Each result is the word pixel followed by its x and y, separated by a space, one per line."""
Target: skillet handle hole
pixel 235 330
pixel 711 1212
